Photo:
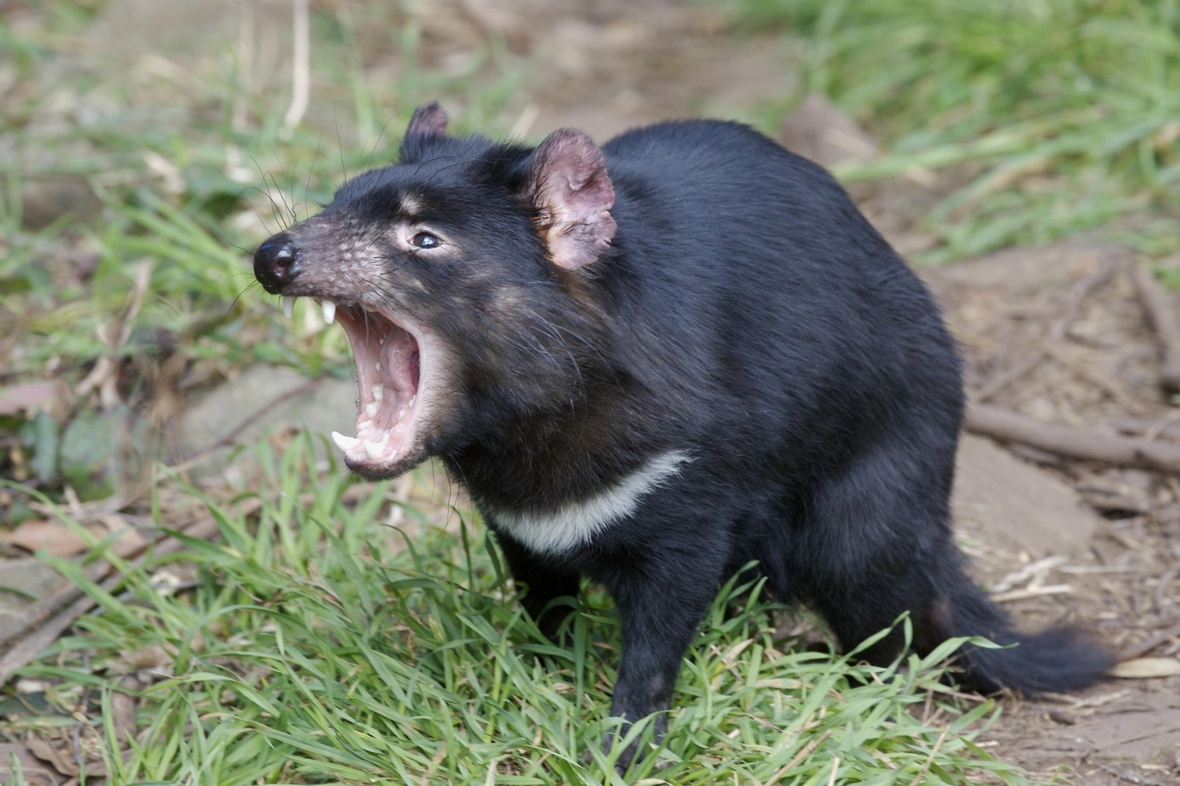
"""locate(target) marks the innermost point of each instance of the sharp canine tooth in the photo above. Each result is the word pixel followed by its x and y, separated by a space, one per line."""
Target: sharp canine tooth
pixel 344 443
pixel 371 408
pixel 378 366
pixel 288 305
pixel 373 449
pixel 329 312
pixel 378 391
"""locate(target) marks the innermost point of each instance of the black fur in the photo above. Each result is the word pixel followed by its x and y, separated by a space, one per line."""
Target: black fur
pixel 744 313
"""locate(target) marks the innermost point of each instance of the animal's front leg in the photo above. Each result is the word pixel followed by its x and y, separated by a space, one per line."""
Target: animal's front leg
pixel 545 584
pixel 660 609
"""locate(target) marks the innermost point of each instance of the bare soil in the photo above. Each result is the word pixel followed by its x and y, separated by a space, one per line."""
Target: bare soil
pixel 1118 575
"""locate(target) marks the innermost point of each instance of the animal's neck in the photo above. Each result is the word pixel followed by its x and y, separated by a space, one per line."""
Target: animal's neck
pixel 544 461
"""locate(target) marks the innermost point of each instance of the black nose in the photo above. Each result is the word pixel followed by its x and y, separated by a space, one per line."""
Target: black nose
pixel 276 263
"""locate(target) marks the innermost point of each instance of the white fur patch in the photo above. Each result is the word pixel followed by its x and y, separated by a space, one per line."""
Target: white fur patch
pixel 578 522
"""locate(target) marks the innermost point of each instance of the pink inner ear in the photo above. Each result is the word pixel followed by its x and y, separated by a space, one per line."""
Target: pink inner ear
pixel 428 120
pixel 572 193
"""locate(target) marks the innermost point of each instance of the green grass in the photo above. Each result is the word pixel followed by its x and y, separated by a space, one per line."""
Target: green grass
pixel 317 645
pixel 188 190
pixel 1063 114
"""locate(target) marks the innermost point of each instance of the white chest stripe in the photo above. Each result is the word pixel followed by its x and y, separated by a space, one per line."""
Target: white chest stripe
pixel 578 522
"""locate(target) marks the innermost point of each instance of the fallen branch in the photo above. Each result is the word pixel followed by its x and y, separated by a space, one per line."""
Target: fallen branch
pixel 1078 294
pixel 1006 378
pixel 1058 333
pixel 1005 424
pixel 1160 313
pixel 1149 428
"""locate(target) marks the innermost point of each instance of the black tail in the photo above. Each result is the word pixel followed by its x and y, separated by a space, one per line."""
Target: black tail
pixel 1056 660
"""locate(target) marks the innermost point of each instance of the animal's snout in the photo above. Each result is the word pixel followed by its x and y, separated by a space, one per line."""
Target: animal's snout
pixel 276 263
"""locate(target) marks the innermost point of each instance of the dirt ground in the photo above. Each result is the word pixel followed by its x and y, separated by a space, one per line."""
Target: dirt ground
pixel 1115 570
pixel 1057 333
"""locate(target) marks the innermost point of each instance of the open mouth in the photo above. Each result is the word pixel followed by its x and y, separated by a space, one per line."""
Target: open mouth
pixel 388 370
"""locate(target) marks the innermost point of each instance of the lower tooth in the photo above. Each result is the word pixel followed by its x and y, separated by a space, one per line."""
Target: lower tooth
pixel 378 389
pixel 371 409
pixel 373 449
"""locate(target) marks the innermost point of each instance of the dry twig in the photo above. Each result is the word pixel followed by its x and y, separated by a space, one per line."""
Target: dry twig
pixel 1079 293
pixel 1005 424
pixel 1057 333
pixel 1160 313
pixel 1147 645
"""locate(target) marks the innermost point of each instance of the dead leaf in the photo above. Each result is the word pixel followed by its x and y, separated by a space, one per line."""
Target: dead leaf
pixel 129 541
pixel 123 709
pixel 1142 668
pixel 153 657
pixel 61 541
pixel 33 771
pixel 31 396
pixel 55 751
pixel 57 747
pixel 54 537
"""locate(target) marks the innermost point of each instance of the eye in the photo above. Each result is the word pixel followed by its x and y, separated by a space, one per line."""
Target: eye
pixel 425 240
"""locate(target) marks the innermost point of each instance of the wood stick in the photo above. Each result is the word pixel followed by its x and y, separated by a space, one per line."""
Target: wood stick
pixel 1160 312
pixel 1057 333
pixel 1065 441
pixel 1078 293
pixel 1006 378
pixel 1150 428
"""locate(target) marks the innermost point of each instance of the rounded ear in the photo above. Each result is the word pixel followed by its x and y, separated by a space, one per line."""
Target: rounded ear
pixel 428 120
pixel 569 188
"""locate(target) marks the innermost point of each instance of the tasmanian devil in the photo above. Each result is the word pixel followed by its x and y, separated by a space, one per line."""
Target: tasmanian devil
pixel 652 363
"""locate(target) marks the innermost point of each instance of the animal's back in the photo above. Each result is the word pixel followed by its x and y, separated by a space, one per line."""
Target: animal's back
pixel 799 316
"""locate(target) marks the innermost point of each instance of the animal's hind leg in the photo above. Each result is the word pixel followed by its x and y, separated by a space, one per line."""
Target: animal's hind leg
pixel 876 543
